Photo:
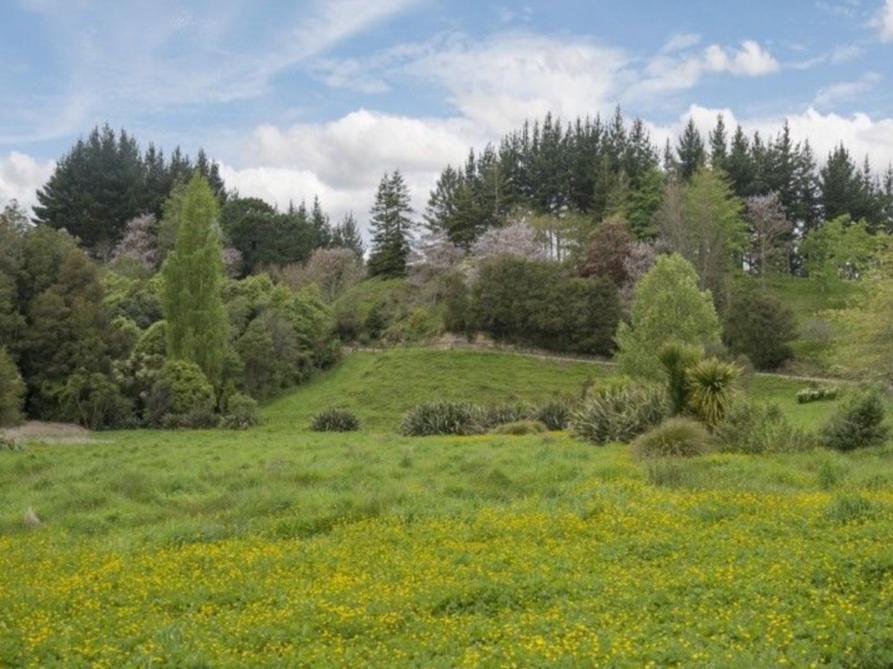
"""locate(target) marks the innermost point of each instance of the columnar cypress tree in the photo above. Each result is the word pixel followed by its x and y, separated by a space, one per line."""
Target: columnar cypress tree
pixel 192 280
pixel 391 227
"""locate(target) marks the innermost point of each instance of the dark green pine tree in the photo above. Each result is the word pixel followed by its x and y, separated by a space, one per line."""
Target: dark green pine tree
pixel 841 185
pixel 210 170
pixel 94 190
pixel 440 212
pixel 192 281
pixel 719 142
pixel 808 209
pixel 739 164
pixel 781 171
pixel 690 151
pixel 157 181
pixel 888 200
pixel 179 169
pixel 346 234
pixel 391 226
pixel 319 222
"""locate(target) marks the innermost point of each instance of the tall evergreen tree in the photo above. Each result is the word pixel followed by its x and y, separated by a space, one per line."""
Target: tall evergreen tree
pixel 392 227
pixel 719 144
pixel 690 151
pixel 319 221
pixel 739 164
pixel 192 280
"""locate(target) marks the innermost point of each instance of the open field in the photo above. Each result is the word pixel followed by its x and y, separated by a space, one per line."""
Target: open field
pixel 282 547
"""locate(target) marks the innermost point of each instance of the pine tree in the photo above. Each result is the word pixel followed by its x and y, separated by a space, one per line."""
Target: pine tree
pixel 392 226
pixel 739 164
pixel 319 221
pixel 192 280
pixel 210 170
pixel 346 234
pixel 690 151
pixel 841 185
pixel 718 145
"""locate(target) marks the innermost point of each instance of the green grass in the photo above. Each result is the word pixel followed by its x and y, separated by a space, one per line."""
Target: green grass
pixel 282 547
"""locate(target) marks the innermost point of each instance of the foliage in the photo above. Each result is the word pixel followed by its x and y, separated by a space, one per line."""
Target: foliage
pixel 335 420
pixel 137 251
pixel 817 394
pixel 516 239
pixel 501 413
pixel 758 427
pixel 857 423
pixel 333 270
pixel 520 427
pixel 12 391
pixel 667 306
pixel 609 248
pixel 675 437
pixel 712 389
pixel 433 418
pixel 95 401
pixel 840 249
pixel 195 318
pixel 619 413
pixel 152 340
pixel 535 303
pixel 676 359
pixel 760 326
pixel 701 220
pixel 771 233
pixel 241 412
pixel 181 396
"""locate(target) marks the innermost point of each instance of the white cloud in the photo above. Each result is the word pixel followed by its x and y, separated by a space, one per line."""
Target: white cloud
pixel 884 21
pixel 751 60
pixel 846 90
pixel 21 176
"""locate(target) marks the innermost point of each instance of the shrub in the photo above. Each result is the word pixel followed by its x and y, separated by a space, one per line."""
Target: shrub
pixel 241 412
pixel 194 419
pixel 335 420
pixel 537 303
pixel 667 306
pixel 499 414
pixel 817 394
pixel 609 247
pixel 181 396
pixel 761 327
pixel 676 359
pixel 152 340
pixel 96 402
pixel 675 437
pixel 619 413
pixel 12 391
pixel 750 427
pixel 711 389
pixel 858 423
pixel 520 427
pixel 441 418
pixel 554 414
pixel 9 444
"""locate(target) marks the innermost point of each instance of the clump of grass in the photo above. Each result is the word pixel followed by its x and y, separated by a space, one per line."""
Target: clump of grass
pixel 817 394
pixel 506 412
pixel 335 420
pixel 859 423
pixel 441 418
pixel 849 508
pixel 520 427
pixel 554 414
pixel 668 473
pixel 675 437
pixel 619 413
pixel 751 427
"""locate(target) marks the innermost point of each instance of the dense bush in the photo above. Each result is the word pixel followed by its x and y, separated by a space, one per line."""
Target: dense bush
pixel 152 340
pixel 712 389
pixel 537 303
pixel 442 418
pixel 12 391
pixel 335 420
pixel 817 394
pixel 858 423
pixel 750 427
pixel 675 437
pixel 520 427
pixel 608 249
pixel 180 397
pixel 95 401
pixel 241 412
pixel 619 413
pixel 759 326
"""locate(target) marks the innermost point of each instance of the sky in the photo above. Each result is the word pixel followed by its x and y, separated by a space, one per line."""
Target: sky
pixel 323 97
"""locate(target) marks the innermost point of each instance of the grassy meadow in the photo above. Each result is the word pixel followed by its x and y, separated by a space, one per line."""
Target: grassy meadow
pixel 278 546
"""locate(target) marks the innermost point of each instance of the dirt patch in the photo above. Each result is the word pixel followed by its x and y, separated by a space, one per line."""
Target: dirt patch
pixel 51 433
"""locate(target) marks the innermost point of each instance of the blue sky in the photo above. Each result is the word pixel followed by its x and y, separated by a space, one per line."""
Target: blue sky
pixel 297 98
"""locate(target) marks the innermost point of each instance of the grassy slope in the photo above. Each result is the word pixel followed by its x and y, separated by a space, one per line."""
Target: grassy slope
pixel 362 547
